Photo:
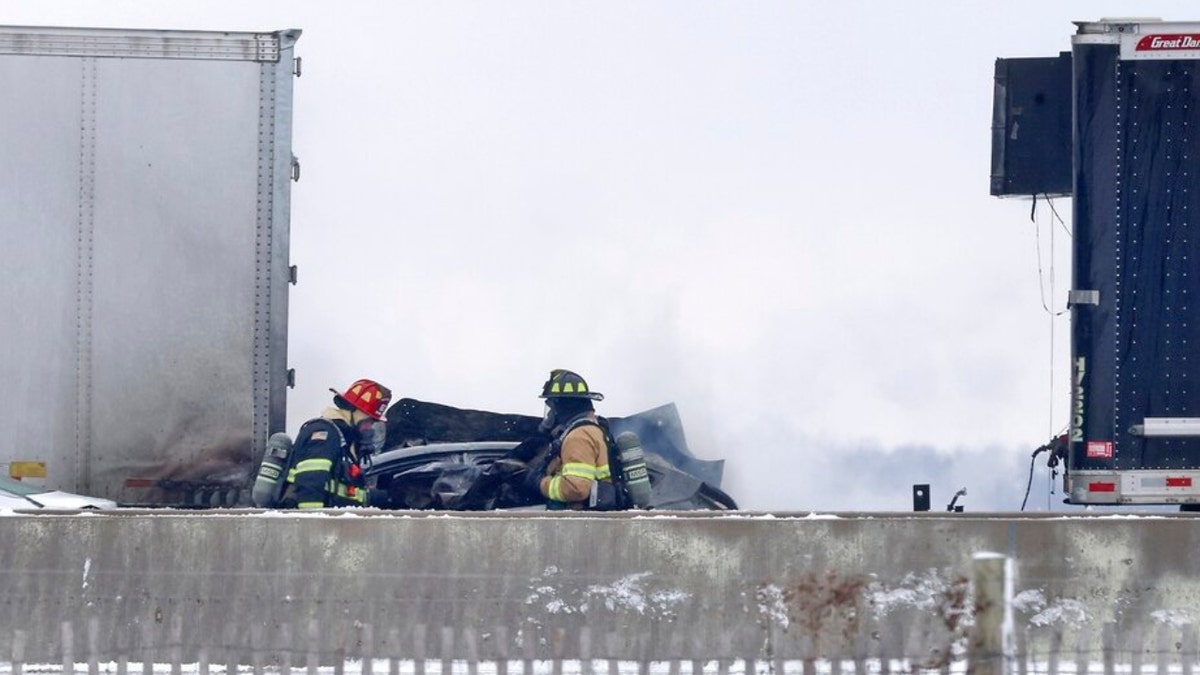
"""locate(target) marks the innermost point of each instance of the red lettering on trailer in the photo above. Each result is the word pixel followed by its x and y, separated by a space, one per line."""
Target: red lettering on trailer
pixel 1168 42
pixel 1100 450
pixel 1179 481
pixel 1102 487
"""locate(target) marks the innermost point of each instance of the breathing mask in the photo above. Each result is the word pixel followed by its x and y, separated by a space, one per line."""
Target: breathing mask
pixel 371 436
pixel 548 419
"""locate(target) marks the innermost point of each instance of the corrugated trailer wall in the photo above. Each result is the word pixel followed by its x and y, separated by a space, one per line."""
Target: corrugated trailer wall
pixel 144 209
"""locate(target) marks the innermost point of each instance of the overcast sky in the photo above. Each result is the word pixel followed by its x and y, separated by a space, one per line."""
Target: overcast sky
pixel 774 214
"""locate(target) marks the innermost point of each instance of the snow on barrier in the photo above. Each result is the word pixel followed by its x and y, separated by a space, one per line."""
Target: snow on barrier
pixel 473 594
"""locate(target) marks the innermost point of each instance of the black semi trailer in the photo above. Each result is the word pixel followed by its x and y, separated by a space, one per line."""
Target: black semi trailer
pixel 1120 116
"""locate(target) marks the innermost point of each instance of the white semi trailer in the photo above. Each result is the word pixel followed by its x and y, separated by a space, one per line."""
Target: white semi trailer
pixel 145 181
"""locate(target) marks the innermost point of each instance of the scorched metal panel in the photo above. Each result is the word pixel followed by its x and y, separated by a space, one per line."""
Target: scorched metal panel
pixel 144 204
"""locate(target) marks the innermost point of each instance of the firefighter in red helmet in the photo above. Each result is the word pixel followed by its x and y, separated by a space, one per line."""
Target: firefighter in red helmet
pixel 326 466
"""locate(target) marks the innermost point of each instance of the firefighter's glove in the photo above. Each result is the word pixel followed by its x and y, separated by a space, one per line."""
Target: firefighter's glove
pixel 380 499
pixel 534 474
pixel 530 448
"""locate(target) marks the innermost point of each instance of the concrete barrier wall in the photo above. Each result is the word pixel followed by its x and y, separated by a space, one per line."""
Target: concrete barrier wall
pixel 534 586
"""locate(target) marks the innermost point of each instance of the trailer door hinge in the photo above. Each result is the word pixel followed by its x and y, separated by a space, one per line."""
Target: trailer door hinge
pixel 296 66
pixel 1083 297
pixel 295 169
pixel 291 378
pixel 293 275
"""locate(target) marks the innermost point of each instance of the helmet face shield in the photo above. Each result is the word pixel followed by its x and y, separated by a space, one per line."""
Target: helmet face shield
pixel 371 436
pixel 548 418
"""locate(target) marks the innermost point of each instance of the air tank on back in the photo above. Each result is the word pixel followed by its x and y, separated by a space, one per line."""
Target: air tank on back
pixel 633 469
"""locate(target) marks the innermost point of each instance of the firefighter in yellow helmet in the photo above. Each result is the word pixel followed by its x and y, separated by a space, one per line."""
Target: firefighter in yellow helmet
pixel 577 475
pixel 326 463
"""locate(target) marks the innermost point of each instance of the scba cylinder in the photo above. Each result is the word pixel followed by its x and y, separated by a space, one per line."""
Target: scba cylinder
pixel 633 469
pixel 268 485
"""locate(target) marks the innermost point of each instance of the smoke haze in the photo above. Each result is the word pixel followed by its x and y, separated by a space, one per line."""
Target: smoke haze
pixel 774 214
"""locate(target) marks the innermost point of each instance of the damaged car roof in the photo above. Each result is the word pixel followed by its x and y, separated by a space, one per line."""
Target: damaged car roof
pixel 441 457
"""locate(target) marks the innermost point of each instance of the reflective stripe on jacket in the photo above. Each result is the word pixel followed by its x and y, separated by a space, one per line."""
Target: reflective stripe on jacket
pixel 319 476
pixel 582 460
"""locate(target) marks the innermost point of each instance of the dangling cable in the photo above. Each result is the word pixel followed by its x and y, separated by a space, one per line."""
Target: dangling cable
pixel 1052 316
pixel 1037 229
pixel 1056 216
pixel 1053 262
pixel 1029 483
pixel 1056 446
pixel 1050 412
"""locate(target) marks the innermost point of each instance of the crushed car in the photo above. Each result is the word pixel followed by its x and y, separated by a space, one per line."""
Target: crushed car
pixel 446 458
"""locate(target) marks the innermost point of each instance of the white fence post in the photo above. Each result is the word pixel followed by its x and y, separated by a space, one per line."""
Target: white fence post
pixel 991 645
pixel 18 652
